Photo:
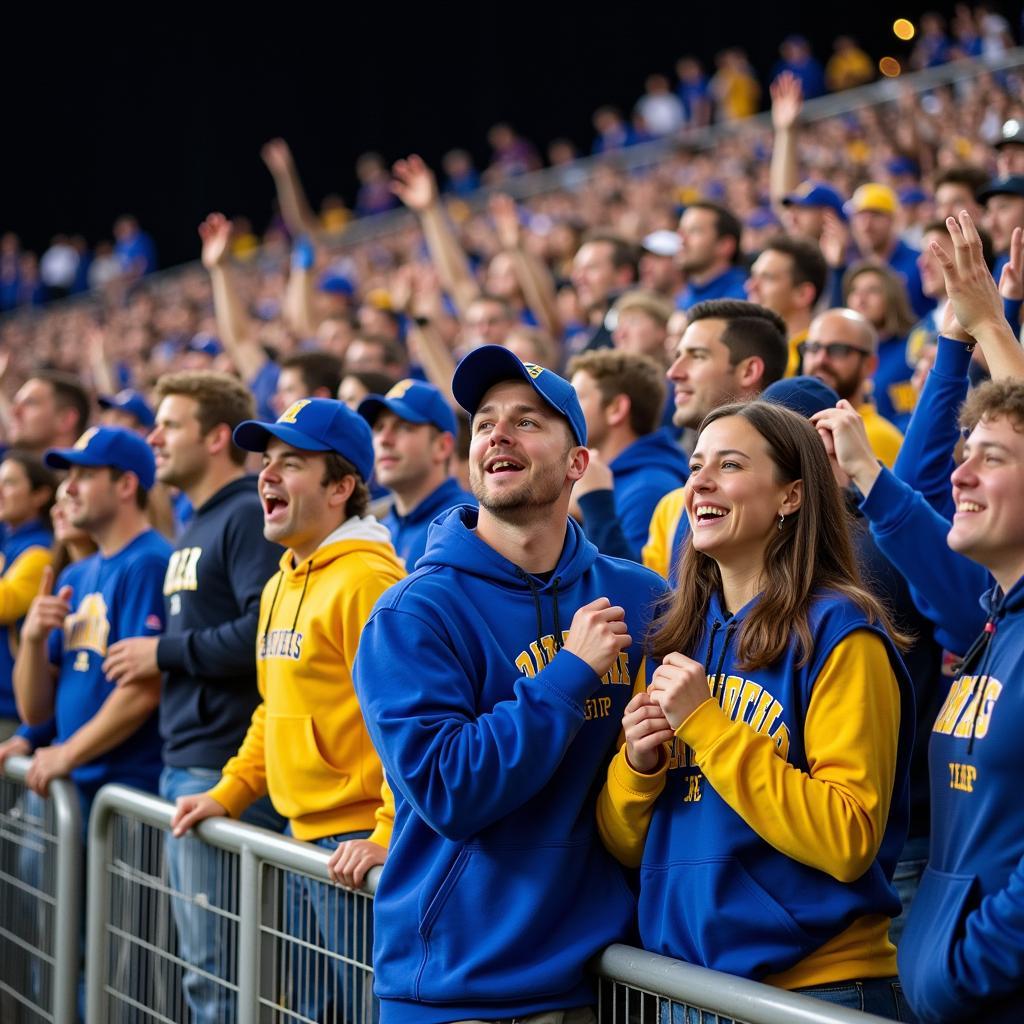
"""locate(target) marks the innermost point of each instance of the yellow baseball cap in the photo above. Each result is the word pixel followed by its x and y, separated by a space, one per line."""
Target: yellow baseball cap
pixel 874 196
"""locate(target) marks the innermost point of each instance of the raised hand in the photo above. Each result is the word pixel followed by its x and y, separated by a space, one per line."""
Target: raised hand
pixel 505 215
pixel 598 477
pixel 598 633
pixel 414 183
pixel 787 95
pixel 969 285
pixel 215 232
pixel 645 728
pixel 1011 280
pixel 843 432
pixel 835 239
pixel 47 611
pixel 277 156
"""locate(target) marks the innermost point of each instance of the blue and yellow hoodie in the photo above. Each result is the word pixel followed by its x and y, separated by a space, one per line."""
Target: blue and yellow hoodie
pixel 24 554
pixel 961 957
pixel 497 890
pixel 307 745
pixel 767 839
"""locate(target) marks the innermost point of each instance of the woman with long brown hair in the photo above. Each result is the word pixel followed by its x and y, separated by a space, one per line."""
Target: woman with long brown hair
pixel 762 788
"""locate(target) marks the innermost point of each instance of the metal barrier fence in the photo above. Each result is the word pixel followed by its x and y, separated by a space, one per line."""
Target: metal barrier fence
pixel 40 909
pixel 278 958
pixel 236 919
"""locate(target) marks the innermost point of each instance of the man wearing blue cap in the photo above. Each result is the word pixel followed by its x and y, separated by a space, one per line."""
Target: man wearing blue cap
pixel 126 409
pixel 414 432
pixel 493 681
pixel 103 733
pixel 307 745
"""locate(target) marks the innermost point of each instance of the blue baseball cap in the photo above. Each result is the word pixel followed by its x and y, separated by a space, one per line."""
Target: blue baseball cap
pixel 415 401
pixel 803 395
pixel 205 344
pixel 488 365
pixel 314 425
pixel 131 402
pixel 816 193
pixel 912 196
pixel 108 446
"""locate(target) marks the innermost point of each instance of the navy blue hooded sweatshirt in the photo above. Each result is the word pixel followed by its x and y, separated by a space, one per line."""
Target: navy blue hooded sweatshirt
pixel 618 521
pixel 208 654
pixel 961 957
pixel 497 890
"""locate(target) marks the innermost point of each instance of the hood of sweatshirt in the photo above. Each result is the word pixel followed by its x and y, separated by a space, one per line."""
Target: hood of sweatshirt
pixel 657 450
pixel 355 534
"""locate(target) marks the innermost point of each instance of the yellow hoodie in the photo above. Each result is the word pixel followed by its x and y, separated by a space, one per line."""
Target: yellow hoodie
pixel 307 745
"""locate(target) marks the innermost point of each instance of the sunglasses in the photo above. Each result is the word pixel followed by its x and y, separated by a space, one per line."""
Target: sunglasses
pixel 832 349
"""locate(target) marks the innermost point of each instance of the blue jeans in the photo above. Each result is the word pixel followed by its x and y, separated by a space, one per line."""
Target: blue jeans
pixel 328 917
pixel 880 996
pixel 906 878
pixel 196 870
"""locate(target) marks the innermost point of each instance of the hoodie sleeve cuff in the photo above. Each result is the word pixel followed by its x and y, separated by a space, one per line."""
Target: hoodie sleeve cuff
pixel 704 727
pixel 888 501
pixel 170 653
pixel 637 782
pixel 570 677
pixel 233 794
pixel 952 358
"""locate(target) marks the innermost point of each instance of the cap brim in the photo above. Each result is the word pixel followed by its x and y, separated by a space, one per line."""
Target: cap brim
pixel 253 436
pixel 372 406
pixel 482 369
pixel 65 458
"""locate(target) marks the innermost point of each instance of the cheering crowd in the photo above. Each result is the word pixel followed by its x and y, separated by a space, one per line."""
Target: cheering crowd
pixel 641 563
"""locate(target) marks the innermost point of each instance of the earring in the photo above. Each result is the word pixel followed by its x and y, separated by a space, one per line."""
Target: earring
pixel 782 519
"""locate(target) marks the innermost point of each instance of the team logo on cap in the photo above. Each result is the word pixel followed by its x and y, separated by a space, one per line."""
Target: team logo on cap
pixel 399 390
pixel 291 413
pixel 533 370
pixel 83 442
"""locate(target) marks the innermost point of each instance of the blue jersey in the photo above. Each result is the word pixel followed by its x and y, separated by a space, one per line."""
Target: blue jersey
pixel 112 598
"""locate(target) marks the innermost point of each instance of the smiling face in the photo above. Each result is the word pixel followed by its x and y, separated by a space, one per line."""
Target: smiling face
pixel 177 442
pixel 988 488
pixel 299 509
pixel 522 457
pixel 701 373
pixel 734 496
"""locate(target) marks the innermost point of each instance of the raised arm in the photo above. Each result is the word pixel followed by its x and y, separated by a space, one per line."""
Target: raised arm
pixel 787 102
pixel 34 676
pixel 976 300
pixel 291 197
pixel 297 307
pixel 414 183
pixel 236 328
pixel 534 279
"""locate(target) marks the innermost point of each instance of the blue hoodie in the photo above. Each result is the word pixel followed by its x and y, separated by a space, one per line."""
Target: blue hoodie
pixel 961 957
pixel 496 891
pixel 618 521
pixel 712 891
pixel 409 532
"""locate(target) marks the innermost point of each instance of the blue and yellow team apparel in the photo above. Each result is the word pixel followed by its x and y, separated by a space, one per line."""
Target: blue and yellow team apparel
pixel 497 890
pixel 24 554
pixel 892 393
pixel 767 839
pixel 307 746
pixel 962 953
pixel 730 284
pixel 409 532
pixel 112 598
pixel 644 473
pixel 666 535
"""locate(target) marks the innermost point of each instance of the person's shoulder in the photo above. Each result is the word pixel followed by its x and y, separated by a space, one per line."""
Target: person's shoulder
pixel 833 611
pixel 625 573
pixel 424 592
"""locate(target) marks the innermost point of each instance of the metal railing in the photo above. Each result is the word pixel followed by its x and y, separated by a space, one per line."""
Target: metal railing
pixel 279 965
pixel 40 908
pixel 283 943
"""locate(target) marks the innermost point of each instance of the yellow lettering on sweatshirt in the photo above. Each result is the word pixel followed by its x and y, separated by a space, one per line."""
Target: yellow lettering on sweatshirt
pixel 541 653
pixel 969 706
pixel 962 776
pixel 182 571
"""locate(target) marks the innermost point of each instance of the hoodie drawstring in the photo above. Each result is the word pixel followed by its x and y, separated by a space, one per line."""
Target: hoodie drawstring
pixel 558 624
pixel 273 601
pixel 715 627
pixel 536 603
pixel 978 690
pixel 302 596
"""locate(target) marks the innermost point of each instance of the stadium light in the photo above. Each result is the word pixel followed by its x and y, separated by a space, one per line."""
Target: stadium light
pixel 903 29
pixel 890 67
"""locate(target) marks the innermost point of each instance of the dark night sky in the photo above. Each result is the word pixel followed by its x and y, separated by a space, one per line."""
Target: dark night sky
pixel 166 120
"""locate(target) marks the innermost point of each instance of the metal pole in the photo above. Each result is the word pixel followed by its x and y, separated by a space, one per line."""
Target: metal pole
pixel 68 918
pixel 248 937
pixel 98 893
